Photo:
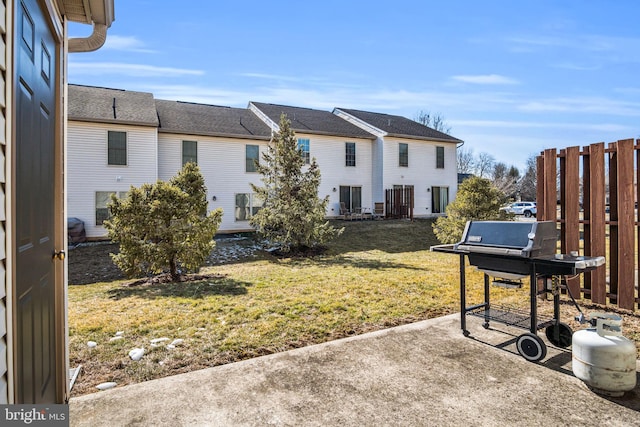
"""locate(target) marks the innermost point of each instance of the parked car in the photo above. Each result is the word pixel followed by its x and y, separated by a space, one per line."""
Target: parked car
pixel 528 209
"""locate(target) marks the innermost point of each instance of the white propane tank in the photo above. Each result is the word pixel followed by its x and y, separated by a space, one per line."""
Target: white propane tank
pixel 603 358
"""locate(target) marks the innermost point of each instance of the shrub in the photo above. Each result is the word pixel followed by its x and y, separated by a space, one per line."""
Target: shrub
pixel 477 199
pixel 164 226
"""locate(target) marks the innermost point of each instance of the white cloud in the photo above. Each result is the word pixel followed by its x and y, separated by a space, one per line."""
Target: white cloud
pixel 125 43
pixel 589 105
pixel 486 79
pixel 132 70
pixel 600 127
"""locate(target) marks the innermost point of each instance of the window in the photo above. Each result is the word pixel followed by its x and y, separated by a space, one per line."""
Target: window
pixel 439 157
pixel 117 148
pixel 303 146
pixel 350 153
pixel 439 199
pixel 103 198
pixel 252 157
pixel 189 152
pixel 403 154
pixel 247 205
pixel 351 197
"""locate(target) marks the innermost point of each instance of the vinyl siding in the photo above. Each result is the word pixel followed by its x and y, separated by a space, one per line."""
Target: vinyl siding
pixel 89 171
pixel 329 152
pixel 222 164
pixel 421 172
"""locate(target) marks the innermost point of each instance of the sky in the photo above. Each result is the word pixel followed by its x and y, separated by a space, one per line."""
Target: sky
pixel 510 78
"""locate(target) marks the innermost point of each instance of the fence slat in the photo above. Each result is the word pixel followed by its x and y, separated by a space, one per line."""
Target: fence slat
pixel 598 240
pixel 626 232
pixel 613 256
pixel 550 191
pixel 540 186
pixel 570 208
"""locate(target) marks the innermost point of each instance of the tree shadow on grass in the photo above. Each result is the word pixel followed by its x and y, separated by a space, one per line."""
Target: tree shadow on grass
pixel 369 264
pixel 221 286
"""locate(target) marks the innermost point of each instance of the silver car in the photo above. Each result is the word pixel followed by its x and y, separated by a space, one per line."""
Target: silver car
pixel 528 209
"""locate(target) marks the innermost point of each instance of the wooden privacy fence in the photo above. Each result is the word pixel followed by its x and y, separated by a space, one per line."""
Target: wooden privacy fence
pixel 592 194
pixel 399 203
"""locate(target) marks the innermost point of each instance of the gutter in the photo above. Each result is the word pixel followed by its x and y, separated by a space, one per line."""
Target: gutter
pixel 88 44
pixel 100 13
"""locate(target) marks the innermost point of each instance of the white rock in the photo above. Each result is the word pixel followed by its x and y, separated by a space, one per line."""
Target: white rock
pixel 170 347
pixel 91 344
pixel 120 333
pixel 106 386
pixel 136 354
pixel 158 340
pixel 177 341
pixel 116 338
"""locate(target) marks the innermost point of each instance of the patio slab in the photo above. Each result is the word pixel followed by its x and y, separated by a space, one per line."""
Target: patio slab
pixel 422 374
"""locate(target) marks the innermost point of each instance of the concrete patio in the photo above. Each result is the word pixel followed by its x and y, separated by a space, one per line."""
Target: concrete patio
pixel 422 374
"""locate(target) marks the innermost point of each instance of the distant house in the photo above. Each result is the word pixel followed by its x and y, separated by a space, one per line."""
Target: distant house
pixel 224 142
pixel 360 154
pixel 112 145
pixel 342 150
pixel 409 154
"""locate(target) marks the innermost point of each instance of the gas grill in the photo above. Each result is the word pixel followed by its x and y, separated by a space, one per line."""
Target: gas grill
pixel 508 252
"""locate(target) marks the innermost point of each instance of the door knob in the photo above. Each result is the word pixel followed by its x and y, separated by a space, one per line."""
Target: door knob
pixel 59 255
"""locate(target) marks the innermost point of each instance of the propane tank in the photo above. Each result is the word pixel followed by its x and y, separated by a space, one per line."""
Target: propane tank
pixel 603 358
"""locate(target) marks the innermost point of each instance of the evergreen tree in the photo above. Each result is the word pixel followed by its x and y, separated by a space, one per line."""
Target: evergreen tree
pixel 164 226
pixel 292 217
pixel 477 199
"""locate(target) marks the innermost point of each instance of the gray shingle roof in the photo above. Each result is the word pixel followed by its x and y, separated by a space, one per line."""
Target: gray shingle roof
pixel 96 104
pixel 400 126
pixel 307 120
pixel 210 120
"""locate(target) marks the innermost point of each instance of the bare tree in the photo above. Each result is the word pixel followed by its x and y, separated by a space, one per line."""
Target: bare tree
pixel 434 121
pixel 465 159
pixel 529 180
pixel 505 179
pixel 484 165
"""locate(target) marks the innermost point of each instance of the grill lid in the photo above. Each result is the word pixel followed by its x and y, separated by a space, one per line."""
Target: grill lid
pixel 521 239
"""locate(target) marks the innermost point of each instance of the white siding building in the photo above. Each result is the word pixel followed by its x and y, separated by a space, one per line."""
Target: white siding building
pixel 112 145
pixel 120 138
pixel 408 154
pixel 223 141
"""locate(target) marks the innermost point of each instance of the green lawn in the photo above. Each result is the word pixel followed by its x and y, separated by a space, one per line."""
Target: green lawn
pixel 377 274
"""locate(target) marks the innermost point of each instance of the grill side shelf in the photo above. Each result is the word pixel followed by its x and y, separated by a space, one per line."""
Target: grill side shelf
pixel 509 316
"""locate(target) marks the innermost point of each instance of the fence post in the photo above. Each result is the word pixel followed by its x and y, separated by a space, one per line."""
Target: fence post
pixel 626 229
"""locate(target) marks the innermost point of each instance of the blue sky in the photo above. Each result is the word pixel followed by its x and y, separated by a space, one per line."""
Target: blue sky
pixel 511 78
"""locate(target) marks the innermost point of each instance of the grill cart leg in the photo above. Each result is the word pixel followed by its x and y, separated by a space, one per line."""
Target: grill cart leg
pixel 486 301
pixel 463 298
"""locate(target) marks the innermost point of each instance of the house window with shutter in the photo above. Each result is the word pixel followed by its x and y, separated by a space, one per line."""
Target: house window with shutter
pixel 252 157
pixel 439 157
pixel 189 152
pixel 350 154
pixel 117 148
pixel 403 154
pixel 303 146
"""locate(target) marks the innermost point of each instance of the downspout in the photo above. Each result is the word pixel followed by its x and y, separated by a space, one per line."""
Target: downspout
pixel 88 44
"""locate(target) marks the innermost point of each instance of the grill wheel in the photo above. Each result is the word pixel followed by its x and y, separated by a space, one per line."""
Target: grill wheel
pixel 531 347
